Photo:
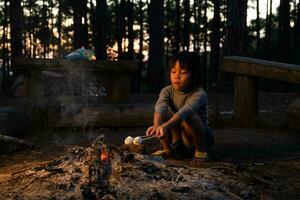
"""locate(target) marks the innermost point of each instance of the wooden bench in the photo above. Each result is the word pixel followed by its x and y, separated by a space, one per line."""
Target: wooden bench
pixel 80 93
pixel 112 77
pixel 246 71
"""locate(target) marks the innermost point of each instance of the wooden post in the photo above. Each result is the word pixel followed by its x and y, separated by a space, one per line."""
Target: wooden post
pixel 33 87
pixel 119 88
pixel 245 98
pixel 294 115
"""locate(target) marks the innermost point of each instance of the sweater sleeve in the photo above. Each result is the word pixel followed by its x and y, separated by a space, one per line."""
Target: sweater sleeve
pixel 162 104
pixel 193 104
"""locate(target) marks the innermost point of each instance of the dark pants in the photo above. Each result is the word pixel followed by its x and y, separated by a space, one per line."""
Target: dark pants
pixel 185 151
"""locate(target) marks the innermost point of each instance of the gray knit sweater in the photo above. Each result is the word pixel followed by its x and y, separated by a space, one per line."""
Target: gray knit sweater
pixel 183 103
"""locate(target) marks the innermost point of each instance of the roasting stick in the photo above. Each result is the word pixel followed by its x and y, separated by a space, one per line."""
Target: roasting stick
pixel 137 140
pixel 145 136
pixel 148 137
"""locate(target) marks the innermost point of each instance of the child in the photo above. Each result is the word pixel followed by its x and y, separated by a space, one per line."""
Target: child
pixel 180 118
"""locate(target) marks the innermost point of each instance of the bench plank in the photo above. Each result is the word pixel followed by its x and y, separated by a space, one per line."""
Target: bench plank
pixel 40 64
pixel 262 68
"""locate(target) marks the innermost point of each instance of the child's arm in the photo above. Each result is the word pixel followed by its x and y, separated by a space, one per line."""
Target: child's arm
pixel 160 107
pixel 165 127
pixel 159 128
pixel 157 121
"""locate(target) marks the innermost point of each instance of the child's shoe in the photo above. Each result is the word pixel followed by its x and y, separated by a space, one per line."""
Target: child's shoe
pixel 163 153
pixel 200 157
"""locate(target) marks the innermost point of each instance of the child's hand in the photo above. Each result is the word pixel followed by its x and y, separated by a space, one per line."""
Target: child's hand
pixel 161 131
pixel 151 130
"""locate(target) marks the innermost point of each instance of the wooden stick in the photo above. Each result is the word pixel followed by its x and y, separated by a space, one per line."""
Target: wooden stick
pixel 148 138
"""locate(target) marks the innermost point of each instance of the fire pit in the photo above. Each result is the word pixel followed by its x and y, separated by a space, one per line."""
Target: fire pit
pixel 82 173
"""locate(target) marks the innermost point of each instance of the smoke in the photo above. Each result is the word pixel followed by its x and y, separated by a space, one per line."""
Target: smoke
pixel 73 92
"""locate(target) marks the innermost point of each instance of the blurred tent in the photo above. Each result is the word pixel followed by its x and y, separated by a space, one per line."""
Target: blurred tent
pixel 82 54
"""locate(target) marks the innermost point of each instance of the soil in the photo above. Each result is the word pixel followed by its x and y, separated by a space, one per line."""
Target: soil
pixel 267 158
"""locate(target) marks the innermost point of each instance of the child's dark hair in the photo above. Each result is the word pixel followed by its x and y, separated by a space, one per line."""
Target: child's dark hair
pixel 191 62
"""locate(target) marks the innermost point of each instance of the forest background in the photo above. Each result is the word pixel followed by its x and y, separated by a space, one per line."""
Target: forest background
pixel 150 32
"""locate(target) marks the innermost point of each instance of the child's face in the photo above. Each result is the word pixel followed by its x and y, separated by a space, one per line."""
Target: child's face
pixel 180 78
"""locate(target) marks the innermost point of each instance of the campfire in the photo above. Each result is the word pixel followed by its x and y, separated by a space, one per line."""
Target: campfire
pixel 103 171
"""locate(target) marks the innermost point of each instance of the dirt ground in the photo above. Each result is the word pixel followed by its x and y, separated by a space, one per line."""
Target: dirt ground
pixel 268 156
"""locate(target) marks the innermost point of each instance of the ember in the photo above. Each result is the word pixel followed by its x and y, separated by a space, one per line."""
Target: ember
pixel 110 172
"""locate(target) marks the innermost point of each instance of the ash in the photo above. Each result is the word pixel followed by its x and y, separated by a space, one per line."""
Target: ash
pixel 80 174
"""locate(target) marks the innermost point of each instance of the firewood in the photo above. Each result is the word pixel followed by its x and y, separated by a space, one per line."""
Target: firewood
pixel 14 140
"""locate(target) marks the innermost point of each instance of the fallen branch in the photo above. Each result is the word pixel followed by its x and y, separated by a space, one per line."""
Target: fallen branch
pixel 232 194
pixel 14 140
pixel 262 180
pixel 36 165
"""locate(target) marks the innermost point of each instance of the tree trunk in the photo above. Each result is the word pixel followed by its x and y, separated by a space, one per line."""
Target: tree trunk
pixel 118 34
pixel 101 29
pixel 31 29
pixel 215 43
pixel 141 56
pixel 93 24
pixel 77 26
pixel 16 28
pixel 205 29
pixel 257 30
pixel 130 22
pixel 156 63
pixel 80 24
pixel 120 26
pixel 268 34
pixel 237 11
pixel 168 17
pixel 4 48
pixel 15 37
pixel 186 26
pixel 59 22
pixel 196 28
pixel 297 38
pixel 177 27
pixel 44 29
pixel 199 25
pixel 284 31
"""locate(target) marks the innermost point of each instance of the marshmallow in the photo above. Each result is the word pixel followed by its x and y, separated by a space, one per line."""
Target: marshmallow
pixel 137 140
pixel 128 140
